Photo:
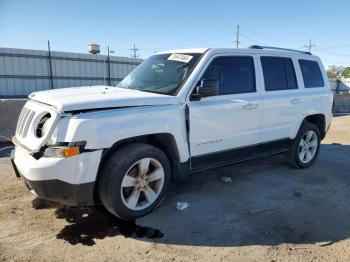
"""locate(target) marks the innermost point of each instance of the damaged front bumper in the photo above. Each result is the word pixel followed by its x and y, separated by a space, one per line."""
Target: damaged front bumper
pixel 70 181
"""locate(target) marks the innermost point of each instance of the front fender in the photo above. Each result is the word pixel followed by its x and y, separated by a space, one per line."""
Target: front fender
pixel 102 129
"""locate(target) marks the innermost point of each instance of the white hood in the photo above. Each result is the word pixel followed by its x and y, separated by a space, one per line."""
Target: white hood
pixel 93 97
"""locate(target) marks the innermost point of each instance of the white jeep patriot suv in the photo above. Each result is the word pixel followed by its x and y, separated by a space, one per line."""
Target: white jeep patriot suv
pixel 177 113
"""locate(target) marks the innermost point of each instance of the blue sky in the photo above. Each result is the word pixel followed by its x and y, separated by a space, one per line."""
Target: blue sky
pixel 160 25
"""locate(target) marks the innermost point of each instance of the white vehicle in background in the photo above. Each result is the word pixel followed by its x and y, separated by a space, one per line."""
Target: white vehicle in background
pixel 178 112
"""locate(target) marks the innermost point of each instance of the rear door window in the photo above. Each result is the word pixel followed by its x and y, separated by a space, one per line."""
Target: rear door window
pixel 279 73
pixel 312 74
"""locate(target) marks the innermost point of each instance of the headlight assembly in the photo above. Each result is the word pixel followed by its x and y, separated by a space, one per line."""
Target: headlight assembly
pixel 65 150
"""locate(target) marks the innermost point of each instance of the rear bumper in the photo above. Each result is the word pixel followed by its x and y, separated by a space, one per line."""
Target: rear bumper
pixel 69 181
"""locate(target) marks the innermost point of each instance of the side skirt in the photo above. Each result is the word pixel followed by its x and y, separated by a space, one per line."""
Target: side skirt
pixel 227 157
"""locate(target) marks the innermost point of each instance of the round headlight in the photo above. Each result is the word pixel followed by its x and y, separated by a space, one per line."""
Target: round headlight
pixel 43 127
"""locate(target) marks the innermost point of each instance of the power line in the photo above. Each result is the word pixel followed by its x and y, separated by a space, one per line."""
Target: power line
pixel 332 52
pixel 252 40
pixel 152 48
pixel 229 43
pixel 134 53
pixel 310 45
pixel 226 36
pixel 338 47
pixel 269 36
pixel 237 37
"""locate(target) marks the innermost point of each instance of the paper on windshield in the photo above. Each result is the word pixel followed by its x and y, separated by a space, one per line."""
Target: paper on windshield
pixel 180 58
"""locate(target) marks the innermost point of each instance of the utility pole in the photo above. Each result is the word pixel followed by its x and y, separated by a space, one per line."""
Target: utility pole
pixel 134 52
pixel 237 37
pixel 310 45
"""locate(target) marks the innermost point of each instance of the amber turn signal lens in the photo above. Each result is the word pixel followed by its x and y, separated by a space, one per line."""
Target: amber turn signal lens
pixel 71 151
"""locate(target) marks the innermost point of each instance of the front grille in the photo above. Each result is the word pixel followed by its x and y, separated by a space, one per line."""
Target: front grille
pixel 35 123
pixel 25 119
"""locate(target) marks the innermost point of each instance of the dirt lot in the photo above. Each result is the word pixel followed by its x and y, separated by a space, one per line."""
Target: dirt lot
pixel 268 212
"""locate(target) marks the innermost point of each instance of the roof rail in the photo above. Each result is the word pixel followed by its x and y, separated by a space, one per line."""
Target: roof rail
pixel 278 48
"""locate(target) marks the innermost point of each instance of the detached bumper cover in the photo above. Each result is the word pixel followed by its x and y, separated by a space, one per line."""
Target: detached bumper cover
pixel 62 192
pixel 13 164
pixel 69 181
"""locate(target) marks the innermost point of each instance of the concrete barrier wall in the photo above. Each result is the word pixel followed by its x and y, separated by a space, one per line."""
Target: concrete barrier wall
pixel 341 103
pixel 339 86
pixel 9 112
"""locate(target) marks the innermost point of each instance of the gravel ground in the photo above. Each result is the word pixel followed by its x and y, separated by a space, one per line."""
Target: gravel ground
pixel 267 212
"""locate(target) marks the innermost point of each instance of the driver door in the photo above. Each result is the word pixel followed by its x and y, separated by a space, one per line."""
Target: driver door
pixel 226 127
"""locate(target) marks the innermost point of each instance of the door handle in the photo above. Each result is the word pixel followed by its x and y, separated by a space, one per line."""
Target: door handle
pixel 295 101
pixel 250 106
pixel 238 101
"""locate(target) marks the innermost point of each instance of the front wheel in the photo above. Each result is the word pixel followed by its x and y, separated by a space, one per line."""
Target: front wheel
pixel 134 180
pixel 305 147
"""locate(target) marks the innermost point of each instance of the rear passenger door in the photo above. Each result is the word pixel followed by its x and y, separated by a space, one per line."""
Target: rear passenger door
pixel 282 99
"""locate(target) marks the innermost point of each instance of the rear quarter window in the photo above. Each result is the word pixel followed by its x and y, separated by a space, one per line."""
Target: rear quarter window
pixel 312 74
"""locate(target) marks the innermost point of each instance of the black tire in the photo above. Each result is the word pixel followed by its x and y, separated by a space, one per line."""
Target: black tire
pixel 293 158
pixel 112 174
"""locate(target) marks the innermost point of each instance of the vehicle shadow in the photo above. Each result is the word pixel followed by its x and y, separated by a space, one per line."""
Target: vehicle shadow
pixel 86 224
pixel 263 203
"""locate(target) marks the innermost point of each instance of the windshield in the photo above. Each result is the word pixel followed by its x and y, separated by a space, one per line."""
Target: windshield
pixel 163 73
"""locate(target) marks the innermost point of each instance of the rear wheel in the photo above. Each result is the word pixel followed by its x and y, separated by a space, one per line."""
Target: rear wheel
pixel 134 180
pixel 305 147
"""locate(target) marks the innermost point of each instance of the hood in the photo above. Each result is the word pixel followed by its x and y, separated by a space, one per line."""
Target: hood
pixel 95 97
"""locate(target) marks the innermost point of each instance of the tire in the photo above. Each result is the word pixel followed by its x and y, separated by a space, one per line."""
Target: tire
pixel 295 156
pixel 124 180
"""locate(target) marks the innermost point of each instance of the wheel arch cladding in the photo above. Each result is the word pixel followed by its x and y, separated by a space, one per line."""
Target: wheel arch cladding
pixel 164 141
pixel 318 120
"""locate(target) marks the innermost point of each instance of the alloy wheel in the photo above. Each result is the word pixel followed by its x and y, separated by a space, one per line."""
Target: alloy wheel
pixel 142 184
pixel 308 146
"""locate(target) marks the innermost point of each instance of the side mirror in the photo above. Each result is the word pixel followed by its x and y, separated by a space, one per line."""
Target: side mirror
pixel 207 87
